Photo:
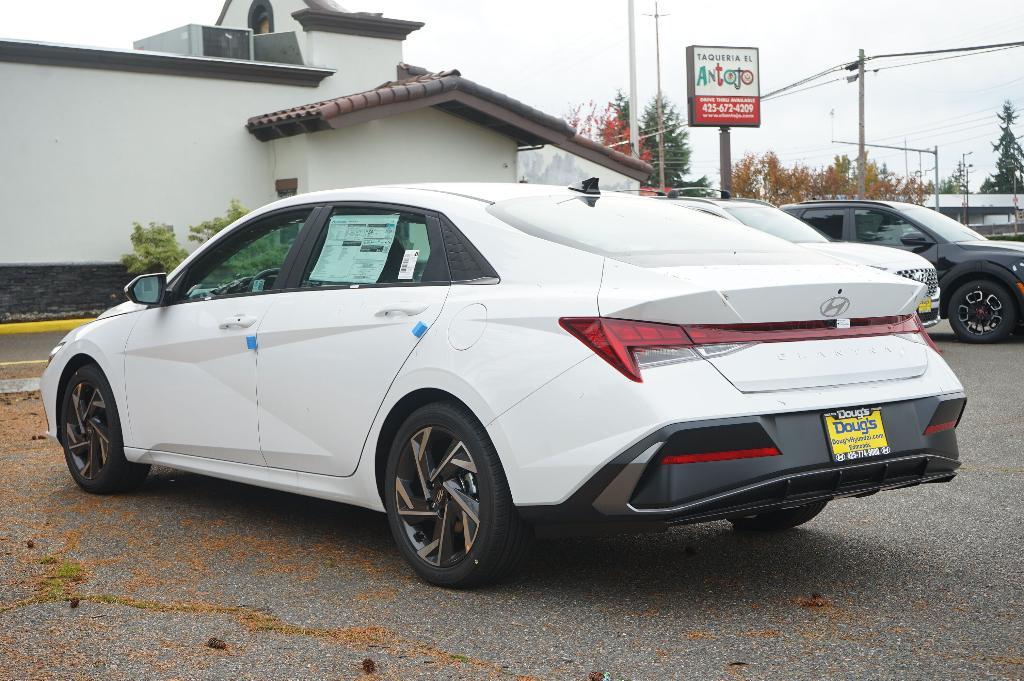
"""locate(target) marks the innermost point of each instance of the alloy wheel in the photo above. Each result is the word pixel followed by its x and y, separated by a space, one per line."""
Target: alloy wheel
pixel 436 496
pixel 87 431
pixel 980 312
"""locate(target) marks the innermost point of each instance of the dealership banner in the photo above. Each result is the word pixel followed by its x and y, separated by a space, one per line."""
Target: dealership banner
pixel 723 86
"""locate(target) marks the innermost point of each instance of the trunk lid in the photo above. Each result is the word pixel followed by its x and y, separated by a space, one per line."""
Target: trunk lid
pixel 759 293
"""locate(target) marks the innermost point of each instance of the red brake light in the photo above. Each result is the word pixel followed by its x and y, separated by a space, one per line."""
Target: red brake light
pixel 721 456
pixel 939 427
pixel 617 341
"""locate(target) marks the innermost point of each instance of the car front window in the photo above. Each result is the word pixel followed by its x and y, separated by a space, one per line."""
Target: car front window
pixel 776 222
pixel 946 227
pixel 247 261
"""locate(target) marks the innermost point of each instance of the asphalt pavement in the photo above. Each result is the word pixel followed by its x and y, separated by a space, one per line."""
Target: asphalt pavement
pixel 21 347
pixel 920 583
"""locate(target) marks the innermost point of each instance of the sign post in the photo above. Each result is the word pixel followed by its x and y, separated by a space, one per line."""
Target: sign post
pixel 723 90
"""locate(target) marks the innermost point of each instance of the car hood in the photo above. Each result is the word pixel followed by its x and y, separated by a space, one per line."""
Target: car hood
pixel 124 308
pixel 884 257
pixel 1008 247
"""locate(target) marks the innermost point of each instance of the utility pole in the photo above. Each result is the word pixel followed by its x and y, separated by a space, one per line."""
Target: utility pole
pixel 862 155
pixel 634 128
pixel 661 121
pixel 967 186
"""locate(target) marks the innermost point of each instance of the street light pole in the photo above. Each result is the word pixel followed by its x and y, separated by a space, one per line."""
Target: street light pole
pixel 861 152
pixel 967 186
pixel 634 130
pixel 661 122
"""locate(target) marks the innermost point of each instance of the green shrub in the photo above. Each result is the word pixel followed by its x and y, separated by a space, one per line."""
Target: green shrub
pixel 154 249
pixel 205 230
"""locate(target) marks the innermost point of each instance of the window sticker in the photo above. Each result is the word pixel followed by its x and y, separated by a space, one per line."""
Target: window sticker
pixel 356 249
pixel 408 267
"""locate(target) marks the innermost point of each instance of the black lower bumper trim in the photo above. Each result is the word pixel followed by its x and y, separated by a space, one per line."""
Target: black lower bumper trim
pixel 636 487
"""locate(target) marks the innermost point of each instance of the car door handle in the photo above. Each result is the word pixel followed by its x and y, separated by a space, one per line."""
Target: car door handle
pixel 237 321
pixel 401 310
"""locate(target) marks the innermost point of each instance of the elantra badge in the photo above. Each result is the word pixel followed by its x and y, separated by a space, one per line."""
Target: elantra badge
pixel 835 306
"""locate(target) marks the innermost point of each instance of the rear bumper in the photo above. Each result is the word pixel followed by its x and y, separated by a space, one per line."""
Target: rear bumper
pixel 635 488
pixel 929 319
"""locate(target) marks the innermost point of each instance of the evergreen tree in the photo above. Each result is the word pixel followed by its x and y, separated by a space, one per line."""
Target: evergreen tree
pixel 677 146
pixel 949 185
pixel 1010 158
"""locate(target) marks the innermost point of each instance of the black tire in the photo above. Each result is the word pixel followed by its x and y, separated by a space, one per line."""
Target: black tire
pixel 501 540
pixel 774 521
pixel 83 431
pixel 975 306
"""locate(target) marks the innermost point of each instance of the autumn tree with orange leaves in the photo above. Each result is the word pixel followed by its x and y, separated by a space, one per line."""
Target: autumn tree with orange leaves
pixel 765 177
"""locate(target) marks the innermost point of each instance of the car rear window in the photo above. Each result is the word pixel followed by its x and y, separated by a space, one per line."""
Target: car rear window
pixel 641 231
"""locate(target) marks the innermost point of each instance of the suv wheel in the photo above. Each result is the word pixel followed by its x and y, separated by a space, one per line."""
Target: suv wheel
pixel 448 502
pixel 982 312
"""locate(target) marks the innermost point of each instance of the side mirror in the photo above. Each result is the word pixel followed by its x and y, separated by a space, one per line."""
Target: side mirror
pixel 147 289
pixel 915 240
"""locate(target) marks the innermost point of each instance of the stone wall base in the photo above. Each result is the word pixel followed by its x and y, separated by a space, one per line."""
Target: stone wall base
pixel 31 292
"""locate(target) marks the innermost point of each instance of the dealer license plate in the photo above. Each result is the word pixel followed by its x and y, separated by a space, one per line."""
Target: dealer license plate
pixel 856 434
pixel 925 306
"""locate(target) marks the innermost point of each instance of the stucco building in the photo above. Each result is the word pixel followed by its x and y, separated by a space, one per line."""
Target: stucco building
pixel 280 96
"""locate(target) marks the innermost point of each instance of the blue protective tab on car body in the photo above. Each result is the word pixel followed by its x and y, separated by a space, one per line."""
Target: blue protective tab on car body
pixel 419 329
pixel 250 342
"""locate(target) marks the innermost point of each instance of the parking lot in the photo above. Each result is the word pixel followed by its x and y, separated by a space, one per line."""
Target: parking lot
pixel 194 577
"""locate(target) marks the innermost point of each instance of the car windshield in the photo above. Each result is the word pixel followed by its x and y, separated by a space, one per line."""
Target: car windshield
pixel 947 228
pixel 640 231
pixel 775 222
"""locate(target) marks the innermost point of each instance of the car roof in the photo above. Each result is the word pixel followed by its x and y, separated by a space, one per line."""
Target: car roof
pixel 898 205
pixel 486 192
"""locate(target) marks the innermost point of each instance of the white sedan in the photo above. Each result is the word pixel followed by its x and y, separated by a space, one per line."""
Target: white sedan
pixel 777 222
pixel 487 362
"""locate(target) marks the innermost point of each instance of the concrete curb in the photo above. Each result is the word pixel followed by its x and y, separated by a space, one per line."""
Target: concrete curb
pixel 43 326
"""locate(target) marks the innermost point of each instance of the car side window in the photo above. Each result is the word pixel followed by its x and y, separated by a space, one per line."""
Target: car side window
pixel 884 228
pixel 828 221
pixel 375 246
pixel 247 261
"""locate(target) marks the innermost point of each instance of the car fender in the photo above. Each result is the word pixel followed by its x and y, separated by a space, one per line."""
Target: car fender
pixel 103 341
pixel 971 270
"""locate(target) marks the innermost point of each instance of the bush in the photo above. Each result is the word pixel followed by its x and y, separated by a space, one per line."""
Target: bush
pixel 205 230
pixel 155 249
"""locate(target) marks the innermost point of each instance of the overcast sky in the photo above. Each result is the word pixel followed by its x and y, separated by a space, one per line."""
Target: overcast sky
pixel 552 55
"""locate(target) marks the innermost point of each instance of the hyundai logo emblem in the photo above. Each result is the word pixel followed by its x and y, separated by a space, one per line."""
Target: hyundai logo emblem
pixel 833 307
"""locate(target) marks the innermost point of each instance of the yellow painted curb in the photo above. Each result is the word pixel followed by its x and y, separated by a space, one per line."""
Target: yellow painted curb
pixel 43 326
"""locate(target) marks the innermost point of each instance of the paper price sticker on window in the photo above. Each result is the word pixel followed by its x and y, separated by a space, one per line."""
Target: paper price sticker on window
pixel 355 249
pixel 408 267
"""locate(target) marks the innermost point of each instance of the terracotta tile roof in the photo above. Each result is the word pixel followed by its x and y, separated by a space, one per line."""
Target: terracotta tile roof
pixel 450 92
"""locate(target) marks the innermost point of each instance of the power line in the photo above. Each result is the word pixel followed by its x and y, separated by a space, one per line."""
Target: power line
pixel 804 89
pixel 955 56
pixel 849 66
pixel 800 82
pixel 945 51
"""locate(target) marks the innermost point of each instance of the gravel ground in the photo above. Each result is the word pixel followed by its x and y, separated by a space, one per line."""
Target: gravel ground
pixel 921 583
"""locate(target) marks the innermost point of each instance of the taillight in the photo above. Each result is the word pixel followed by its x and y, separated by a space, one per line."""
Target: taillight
pixel 946 417
pixel 630 345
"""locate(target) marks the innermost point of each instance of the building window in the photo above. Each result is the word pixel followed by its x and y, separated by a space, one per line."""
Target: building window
pixel 261 17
